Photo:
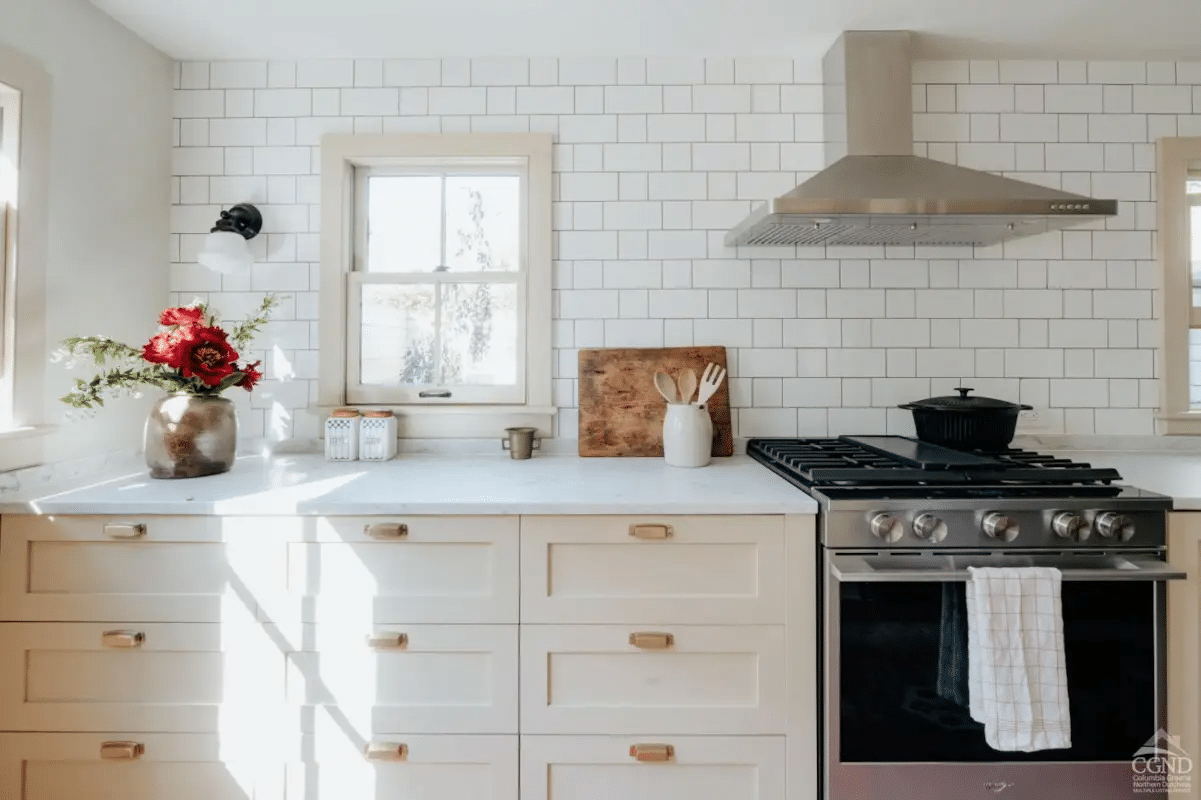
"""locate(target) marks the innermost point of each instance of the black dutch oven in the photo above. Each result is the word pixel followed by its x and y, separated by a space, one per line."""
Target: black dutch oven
pixel 966 423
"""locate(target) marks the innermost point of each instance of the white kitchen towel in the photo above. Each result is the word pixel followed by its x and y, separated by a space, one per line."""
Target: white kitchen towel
pixel 1017 682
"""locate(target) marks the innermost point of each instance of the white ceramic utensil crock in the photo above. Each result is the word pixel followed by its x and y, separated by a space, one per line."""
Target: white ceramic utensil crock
pixel 687 435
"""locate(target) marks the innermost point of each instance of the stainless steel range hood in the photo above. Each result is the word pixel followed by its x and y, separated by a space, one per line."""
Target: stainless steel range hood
pixel 875 191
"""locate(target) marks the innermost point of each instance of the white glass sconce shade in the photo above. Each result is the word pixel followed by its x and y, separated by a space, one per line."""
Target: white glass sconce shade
pixel 226 252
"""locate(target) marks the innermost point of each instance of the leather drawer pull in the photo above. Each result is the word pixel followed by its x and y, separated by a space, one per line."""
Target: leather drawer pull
pixel 652 641
pixel 386 751
pixel 124 530
pixel 121 751
pixel 122 639
pixel 651 752
pixel 386 530
pixel 650 532
pixel 387 641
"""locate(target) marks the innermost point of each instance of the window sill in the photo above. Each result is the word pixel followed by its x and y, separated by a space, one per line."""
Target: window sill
pixel 23 446
pixel 1184 424
pixel 465 422
pixel 25 432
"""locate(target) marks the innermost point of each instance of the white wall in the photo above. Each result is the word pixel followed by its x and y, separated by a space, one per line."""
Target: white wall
pixel 108 198
pixel 656 158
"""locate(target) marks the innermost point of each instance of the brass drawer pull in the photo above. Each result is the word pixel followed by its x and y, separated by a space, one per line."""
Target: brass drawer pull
pixel 121 751
pixel 386 530
pixel 652 641
pixel 387 641
pixel 124 530
pixel 651 531
pixel 386 751
pixel 122 639
pixel 651 752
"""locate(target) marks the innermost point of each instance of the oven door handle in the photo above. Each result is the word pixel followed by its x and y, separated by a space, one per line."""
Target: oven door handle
pixel 939 569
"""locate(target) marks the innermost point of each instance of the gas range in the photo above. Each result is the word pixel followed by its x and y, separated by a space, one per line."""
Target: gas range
pixel 902 524
pixel 894 492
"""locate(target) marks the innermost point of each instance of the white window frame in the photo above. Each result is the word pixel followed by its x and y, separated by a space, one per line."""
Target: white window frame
pixel 356 391
pixel 343 157
pixel 1178 158
pixel 23 367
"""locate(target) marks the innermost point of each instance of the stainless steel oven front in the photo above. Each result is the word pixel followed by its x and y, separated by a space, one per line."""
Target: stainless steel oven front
pixel 890 731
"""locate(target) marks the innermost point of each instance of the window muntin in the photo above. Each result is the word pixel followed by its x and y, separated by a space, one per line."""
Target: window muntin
pixel 437 296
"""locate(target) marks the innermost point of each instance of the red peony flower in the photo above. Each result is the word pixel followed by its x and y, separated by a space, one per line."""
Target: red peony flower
pixel 250 376
pixel 162 347
pixel 187 315
pixel 197 351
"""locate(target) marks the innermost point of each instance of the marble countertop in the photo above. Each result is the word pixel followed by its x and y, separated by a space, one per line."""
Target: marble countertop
pixel 430 484
pixel 1176 473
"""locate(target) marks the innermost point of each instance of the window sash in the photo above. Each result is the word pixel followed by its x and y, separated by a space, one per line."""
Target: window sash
pixel 359 392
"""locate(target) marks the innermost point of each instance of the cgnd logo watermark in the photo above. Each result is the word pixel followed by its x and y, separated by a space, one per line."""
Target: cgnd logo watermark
pixel 1162 766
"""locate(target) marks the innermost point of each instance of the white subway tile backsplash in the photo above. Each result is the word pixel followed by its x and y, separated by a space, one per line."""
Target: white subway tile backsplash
pixel 656 158
pixel 325 74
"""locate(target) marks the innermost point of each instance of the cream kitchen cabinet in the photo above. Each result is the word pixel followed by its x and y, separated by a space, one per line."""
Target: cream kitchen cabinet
pixel 263 657
pixel 680 679
pixel 1184 636
pixel 148 766
pixel 662 768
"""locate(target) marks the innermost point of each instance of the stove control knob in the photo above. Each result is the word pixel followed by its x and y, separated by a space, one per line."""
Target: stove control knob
pixel 999 526
pixel 1112 525
pixel 1070 525
pixel 886 528
pixel 930 528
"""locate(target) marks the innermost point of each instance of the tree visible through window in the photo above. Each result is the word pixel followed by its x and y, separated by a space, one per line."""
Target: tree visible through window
pixel 440 284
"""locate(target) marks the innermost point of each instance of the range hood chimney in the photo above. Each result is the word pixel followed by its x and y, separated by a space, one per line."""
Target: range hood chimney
pixel 874 191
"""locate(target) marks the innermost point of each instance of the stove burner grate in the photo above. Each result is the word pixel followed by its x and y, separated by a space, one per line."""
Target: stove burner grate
pixel 892 462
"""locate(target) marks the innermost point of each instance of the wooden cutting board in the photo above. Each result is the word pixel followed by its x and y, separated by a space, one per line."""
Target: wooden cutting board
pixel 621 411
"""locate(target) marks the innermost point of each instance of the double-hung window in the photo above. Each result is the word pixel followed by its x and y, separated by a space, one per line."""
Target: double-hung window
pixel 1179 183
pixel 437 278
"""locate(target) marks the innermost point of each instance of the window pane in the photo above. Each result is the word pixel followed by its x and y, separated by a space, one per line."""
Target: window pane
pixel 397 343
pixel 404 224
pixel 1195 250
pixel 483 223
pixel 479 331
pixel 1194 371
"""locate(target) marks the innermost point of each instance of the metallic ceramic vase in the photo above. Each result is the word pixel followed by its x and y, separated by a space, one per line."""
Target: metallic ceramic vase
pixel 188 436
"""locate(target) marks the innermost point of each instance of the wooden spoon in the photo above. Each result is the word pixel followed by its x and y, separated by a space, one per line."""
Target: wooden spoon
pixel 687 385
pixel 666 387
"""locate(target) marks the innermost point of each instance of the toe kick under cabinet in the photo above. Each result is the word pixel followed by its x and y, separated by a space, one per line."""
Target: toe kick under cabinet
pixel 347 657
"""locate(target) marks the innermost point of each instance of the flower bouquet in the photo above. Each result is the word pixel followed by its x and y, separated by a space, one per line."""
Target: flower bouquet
pixel 192 431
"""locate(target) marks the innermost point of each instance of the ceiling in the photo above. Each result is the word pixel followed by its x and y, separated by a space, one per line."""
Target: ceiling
pixel 290 29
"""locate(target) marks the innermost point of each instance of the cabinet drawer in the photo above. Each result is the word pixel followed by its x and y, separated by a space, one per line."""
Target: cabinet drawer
pixel 56 766
pixel 673 679
pixel 437 570
pixel 427 678
pixel 653 570
pixel 145 677
pixel 431 768
pixel 144 569
pixel 602 767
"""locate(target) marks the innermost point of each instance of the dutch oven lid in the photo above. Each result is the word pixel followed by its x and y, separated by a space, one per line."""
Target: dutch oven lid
pixel 963 402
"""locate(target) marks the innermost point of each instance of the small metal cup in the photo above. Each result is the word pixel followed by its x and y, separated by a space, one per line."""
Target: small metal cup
pixel 521 442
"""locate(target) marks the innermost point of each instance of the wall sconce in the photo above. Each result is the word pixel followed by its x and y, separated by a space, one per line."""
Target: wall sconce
pixel 226 249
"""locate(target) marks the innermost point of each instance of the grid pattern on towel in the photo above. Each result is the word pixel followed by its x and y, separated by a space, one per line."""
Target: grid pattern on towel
pixel 1017 679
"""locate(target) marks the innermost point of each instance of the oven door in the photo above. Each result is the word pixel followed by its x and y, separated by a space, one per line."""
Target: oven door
pixel 894 729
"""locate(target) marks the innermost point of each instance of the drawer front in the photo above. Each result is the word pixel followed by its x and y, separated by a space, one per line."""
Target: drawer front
pixel 429 678
pixel 698 768
pixel 144 677
pixel 431 768
pixel 672 679
pixel 56 766
pixel 144 569
pixel 715 570
pixel 434 570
